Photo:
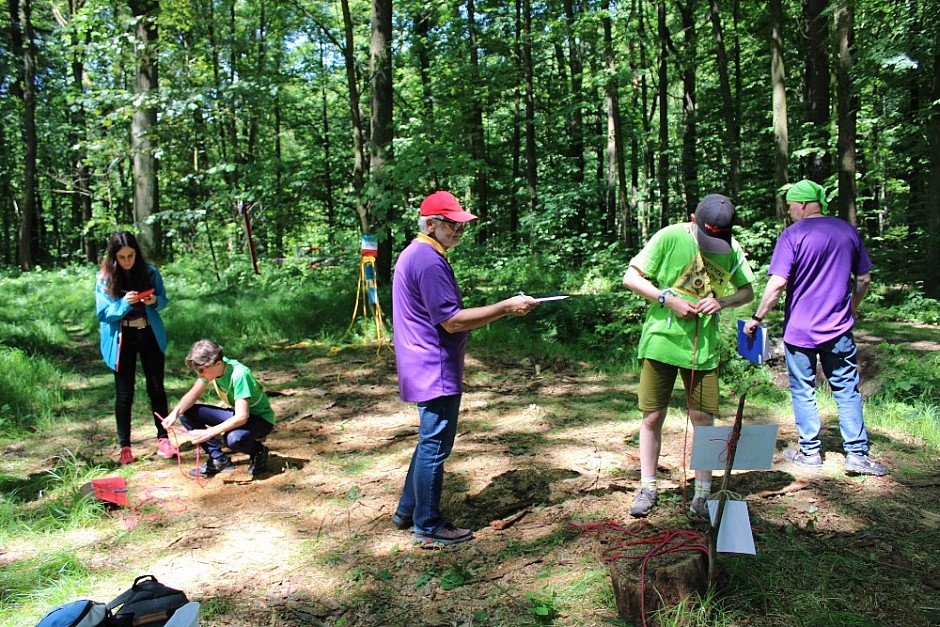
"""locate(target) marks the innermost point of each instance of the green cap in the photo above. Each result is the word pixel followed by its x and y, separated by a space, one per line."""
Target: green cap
pixel 808 191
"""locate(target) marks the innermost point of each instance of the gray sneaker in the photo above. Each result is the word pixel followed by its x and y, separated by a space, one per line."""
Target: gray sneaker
pixel 862 464
pixel 643 502
pixel 447 534
pixel 798 457
pixel 698 508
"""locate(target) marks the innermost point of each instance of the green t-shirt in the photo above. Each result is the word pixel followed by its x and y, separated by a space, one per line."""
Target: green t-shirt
pixel 237 383
pixel 671 259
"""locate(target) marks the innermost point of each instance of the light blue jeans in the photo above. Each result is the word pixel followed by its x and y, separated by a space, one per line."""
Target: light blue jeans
pixel 838 359
pixel 421 496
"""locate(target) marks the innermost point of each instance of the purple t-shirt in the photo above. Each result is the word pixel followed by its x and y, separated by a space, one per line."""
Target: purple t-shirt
pixel 818 257
pixel 424 294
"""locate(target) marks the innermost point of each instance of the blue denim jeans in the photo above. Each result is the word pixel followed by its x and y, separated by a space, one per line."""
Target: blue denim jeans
pixel 838 359
pixel 244 439
pixel 421 496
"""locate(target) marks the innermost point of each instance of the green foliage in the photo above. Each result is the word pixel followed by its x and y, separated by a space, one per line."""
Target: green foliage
pixel 914 374
pixel 53 574
pixel 542 607
pixel 889 303
pixel 30 388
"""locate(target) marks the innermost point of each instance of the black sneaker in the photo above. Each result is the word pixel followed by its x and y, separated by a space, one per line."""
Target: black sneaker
pixel 213 467
pixel 798 457
pixel 259 461
pixel 862 464
pixel 402 522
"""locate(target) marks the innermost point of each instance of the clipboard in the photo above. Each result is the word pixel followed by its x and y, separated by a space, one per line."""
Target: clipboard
pixel 756 348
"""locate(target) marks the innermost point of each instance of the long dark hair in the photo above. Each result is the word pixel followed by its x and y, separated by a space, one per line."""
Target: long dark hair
pixel 118 281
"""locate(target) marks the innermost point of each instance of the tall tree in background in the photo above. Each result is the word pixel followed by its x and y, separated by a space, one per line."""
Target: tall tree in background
pixel 729 107
pixel 663 91
pixel 382 131
pixel 847 107
pixel 530 152
pixel 689 125
pixel 480 186
pixel 779 106
pixel 616 200
pixel 143 129
pixel 932 256
pixel 576 121
pixel 24 46
pixel 816 25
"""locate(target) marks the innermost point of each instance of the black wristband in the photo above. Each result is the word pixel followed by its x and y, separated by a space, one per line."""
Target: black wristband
pixel 756 317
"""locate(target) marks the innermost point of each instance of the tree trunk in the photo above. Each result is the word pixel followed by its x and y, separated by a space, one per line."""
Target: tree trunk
pixel 422 24
pixel 143 130
pixel 359 154
pixel 848 108
pixel 689 124
pixel 517 124
pixel 531 171
pixel 663 116
pixel 576 121
pixel 380 69
pixel 327 164
pixel 22 14
pixel 816 24
pixel 779 103
pixel 480 186
pixel 932 260
pixel 618 209
pixel 729 108
pixel 81 186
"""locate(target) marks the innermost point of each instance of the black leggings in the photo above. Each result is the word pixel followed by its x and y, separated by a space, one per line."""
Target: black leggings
pixel 134 343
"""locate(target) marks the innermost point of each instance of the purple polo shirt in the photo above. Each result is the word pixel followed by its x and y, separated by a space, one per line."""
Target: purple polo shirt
pixel 424 293
pixel 818 257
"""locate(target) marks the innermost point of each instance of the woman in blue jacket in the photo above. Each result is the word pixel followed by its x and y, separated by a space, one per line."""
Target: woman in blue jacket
pixel 128 294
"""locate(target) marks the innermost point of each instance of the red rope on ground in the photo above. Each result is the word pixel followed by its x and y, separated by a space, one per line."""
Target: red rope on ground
pixel 619 537
pixel 688 419
pixel 202 481
pixel 137 516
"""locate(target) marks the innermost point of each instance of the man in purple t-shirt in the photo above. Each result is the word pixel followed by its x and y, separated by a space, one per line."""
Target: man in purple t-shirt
pixel 430 327
pixel 815 261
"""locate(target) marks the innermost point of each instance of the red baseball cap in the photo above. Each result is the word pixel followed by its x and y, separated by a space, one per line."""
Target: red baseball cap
pixel 445 204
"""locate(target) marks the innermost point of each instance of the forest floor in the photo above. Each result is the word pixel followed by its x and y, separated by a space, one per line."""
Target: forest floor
pixel 541 449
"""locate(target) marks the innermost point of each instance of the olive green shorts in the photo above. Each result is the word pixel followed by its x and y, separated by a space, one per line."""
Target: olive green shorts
pixel 658 379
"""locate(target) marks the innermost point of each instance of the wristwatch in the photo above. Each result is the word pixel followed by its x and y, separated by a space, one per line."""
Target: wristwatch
pixel 754 316
pixel 662 298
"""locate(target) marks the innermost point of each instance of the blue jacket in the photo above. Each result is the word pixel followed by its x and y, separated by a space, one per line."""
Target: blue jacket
pixel 111 311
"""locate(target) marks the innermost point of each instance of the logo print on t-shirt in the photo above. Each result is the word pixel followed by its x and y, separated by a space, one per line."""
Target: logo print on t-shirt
pixel 703 278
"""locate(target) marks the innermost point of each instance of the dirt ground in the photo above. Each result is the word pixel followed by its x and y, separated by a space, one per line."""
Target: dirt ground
pixel 540 446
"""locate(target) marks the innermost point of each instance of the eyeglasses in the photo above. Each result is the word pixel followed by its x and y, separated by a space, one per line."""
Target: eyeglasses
pixel 454 226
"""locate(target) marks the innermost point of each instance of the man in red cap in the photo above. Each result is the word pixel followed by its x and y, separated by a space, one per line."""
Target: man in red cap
pixel 690 272
pixel 431 327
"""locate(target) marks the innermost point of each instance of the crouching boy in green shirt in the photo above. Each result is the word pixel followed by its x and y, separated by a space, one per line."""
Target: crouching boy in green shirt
pixel 248 420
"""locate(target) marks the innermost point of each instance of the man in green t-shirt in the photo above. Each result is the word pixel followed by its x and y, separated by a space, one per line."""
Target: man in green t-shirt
pixel 690 271
pixel 244 426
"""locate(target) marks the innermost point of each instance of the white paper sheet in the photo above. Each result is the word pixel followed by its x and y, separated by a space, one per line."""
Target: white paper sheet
pixel 735 535
pixel 755 449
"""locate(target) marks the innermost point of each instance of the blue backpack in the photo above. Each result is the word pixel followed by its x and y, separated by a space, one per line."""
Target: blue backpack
pixel 82 613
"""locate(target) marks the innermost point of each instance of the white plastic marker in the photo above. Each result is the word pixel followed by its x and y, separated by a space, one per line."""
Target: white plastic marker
pixel 546 299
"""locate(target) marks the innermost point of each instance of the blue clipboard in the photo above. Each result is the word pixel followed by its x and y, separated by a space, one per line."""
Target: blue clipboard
pixel 756 348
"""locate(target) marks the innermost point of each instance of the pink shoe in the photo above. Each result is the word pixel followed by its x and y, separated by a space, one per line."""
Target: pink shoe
pixel 127 457
pixel 165 449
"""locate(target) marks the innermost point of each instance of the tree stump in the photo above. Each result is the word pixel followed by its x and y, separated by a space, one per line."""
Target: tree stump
pixel 670 578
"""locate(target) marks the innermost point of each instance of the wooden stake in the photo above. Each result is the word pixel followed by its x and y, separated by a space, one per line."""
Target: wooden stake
pixel 723 494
